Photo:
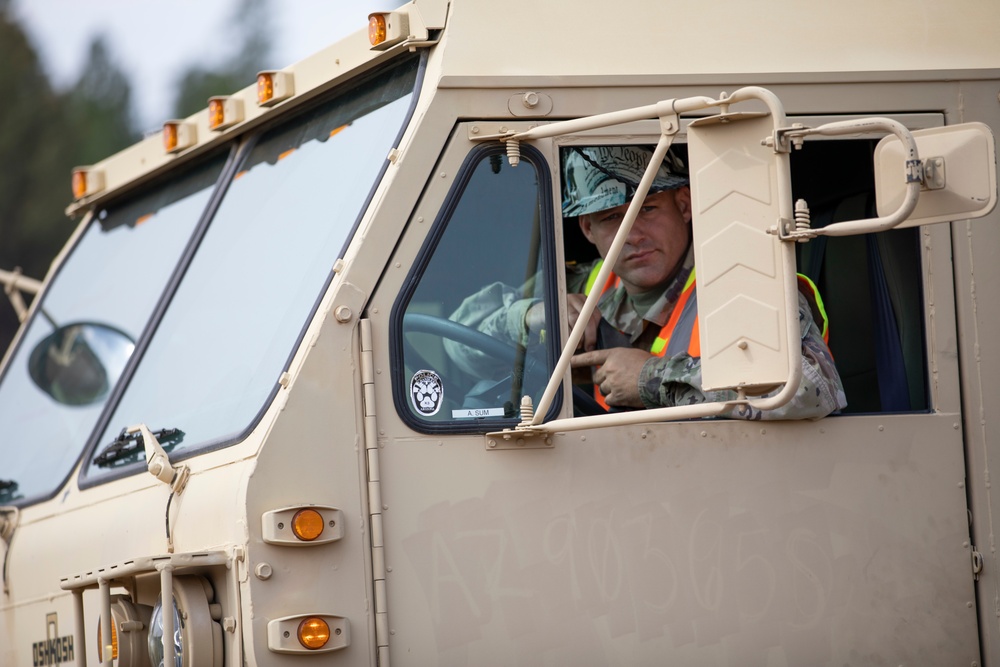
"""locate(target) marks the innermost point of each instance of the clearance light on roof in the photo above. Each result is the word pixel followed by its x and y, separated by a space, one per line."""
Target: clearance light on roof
pixel 224 112
pixel 87 181
pixel 387 28
pixel 273 86
pixel 178 135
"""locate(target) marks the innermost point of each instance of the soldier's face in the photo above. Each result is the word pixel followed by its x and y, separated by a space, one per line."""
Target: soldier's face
pixel 655 245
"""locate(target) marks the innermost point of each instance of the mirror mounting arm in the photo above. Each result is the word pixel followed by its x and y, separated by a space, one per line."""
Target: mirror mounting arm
pixel 912 165
pixel 14 282
pixel 158 463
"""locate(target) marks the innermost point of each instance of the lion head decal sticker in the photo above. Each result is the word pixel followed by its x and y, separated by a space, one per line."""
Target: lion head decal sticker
pixel 426 392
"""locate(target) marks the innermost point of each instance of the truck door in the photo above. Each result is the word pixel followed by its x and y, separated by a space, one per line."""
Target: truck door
pixel 843 540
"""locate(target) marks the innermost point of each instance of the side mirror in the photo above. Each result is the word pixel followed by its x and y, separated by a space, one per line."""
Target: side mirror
pixel 744 269
pixel 960 174
pixel 77 364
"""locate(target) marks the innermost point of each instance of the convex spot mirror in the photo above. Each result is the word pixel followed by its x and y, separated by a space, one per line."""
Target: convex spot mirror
pixel 78 363
pixel 960 174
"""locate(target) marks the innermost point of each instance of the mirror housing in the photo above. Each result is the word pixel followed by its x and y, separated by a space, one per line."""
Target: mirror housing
pixel 960 174
pixel 79 363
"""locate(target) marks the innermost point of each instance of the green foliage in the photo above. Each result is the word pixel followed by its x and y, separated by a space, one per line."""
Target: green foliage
pixel 100 108
pixel 45 133
pixel 249 26
pixel 33 165
pixel 31 112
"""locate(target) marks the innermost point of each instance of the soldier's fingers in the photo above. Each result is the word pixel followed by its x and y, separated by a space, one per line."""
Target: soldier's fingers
pixel 593 358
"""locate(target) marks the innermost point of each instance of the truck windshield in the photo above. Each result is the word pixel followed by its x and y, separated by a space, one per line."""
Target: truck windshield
pixel 218 349
pixel 60 377
pixel 247 294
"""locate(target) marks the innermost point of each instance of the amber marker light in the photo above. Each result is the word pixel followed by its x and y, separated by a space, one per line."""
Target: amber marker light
pixel 170 137
pixel 224 112
pixel 387 29
pixel 314 632
pixel 272 87
pixel 79 183
pixel 114 640
pixel 265 87
pixel 178 135
pixel 86 181
pixel 216 113
pixel 307 524
pixel 376 29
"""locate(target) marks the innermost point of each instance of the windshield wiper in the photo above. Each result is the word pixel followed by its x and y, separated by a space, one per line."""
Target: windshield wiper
pixel 8 491
pixel 123 449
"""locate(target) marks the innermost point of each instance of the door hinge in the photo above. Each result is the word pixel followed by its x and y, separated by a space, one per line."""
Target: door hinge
pixel 977 563
pixel 379 569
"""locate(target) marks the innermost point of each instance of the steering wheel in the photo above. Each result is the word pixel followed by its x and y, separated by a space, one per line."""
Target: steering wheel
pixel 483 391
pixel 583 403
pixel 445 328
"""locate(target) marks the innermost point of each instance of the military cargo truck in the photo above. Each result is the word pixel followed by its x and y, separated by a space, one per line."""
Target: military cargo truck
pixel 232 433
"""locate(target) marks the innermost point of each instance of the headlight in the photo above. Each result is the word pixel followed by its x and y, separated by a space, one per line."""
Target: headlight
pixel 197 636
pixel 156 635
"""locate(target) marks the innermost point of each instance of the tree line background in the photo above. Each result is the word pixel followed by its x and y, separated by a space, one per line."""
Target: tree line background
pixel 45 132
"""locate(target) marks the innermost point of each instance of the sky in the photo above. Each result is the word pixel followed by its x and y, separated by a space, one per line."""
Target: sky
pixel 154 41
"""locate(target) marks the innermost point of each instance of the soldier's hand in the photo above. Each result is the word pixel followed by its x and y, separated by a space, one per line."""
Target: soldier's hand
pixel 534 319
pixel 617 373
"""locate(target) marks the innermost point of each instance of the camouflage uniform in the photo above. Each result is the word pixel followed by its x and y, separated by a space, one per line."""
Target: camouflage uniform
pixel 500 311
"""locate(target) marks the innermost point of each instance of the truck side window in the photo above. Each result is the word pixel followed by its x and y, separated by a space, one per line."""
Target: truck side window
pixel 456 368
pixel 871 284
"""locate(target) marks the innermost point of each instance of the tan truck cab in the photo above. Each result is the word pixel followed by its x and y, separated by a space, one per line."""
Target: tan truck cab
pixel 236 389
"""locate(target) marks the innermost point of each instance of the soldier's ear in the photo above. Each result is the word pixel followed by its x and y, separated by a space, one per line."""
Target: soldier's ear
pixel 584 221
pixel 682 198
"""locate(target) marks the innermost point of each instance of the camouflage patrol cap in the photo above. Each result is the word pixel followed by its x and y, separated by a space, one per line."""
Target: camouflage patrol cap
pixel 596 178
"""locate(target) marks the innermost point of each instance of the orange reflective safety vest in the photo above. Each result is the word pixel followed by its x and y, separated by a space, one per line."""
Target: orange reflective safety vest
pixel 681 335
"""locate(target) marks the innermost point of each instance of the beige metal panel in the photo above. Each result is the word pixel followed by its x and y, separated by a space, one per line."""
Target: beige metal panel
pixel 103 536
pixel 77 533
pixel 38 622
pixel 735 199
pixel 660 545
pixel 314 455
pixel 976 247
pixel 433 13
pixel 321 426
pixel 690 38
pixel 978 276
